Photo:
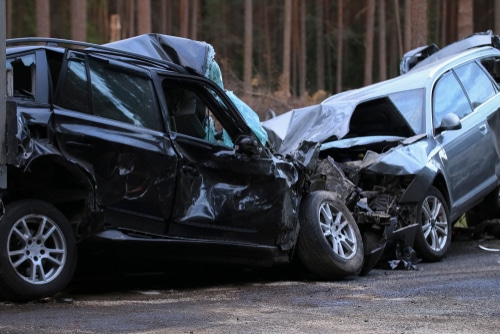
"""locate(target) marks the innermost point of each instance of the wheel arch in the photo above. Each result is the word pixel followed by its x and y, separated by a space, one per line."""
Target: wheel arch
pixel 441 185
pixel 53 179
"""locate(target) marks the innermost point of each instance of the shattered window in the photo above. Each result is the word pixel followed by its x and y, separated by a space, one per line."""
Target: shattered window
pixel 449 97
pixel 478 86
pixel 21 77
pixel 410 105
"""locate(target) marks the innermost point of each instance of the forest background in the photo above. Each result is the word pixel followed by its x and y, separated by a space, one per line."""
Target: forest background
pixel 275 54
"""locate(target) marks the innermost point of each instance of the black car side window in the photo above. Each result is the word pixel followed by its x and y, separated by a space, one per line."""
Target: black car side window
pixel 110 92
pixel 449 97
pixel 74 92
pixel 123 96
pixel 191 115
pixel 478 86
pixel 21 77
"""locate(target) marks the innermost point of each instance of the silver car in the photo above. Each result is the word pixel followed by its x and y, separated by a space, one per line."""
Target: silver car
pixel 420 150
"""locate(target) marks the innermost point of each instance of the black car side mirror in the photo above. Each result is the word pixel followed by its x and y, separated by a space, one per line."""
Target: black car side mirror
pixel 248 145
pixel 449 122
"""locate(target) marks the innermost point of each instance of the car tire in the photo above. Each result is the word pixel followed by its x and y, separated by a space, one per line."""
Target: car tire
pixel 433 238
pixel 37 251
pixel 330 244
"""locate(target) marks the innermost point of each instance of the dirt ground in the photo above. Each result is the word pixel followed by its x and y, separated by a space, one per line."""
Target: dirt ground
pixel 460 294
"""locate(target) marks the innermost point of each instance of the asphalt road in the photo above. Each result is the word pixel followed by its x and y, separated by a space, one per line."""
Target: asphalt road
pixel 460 294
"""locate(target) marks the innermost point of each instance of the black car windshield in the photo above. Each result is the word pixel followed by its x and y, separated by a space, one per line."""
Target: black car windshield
pixel 410 104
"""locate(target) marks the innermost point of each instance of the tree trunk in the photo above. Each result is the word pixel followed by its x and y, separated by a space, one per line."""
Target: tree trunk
pixel 340 43
pixel 398 29
pixel 320 48
pixel 143 17
pixel 183 18
pixel 418 23
pixel 369 34
pixel 382 57
pixel 408 23
pixel 195 19
pixel 79 20
pixel 497 16
pixel 287 40
pixel 269 56
pixel 8 15
pixel 303 49
pixel 43 18
pixel 248 49
pixel 465 18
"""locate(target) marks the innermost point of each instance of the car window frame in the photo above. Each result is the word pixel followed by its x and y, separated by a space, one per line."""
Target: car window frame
pixel 230 119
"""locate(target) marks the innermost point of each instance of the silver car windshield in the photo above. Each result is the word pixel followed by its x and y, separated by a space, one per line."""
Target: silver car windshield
pixel 410 104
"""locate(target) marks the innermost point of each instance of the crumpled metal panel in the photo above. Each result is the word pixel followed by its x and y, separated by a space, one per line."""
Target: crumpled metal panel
pixel 315 124
pixel 400 160
pixel 182 51
pixel 231 196
pixel 28 148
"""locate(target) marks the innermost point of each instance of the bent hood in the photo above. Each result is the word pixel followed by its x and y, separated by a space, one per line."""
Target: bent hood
pixel 315 123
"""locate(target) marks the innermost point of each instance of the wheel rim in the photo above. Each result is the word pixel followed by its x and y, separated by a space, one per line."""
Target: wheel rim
pixel 337 231
pixel 434 223
pixel 36 249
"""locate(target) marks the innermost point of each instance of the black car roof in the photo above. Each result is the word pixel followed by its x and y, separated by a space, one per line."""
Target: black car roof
pixel 57 44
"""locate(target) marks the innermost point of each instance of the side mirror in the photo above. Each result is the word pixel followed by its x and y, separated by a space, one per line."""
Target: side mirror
pixel 449 122
pixel 249 146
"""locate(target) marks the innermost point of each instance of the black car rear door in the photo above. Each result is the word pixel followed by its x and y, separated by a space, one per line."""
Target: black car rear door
pixel 108 121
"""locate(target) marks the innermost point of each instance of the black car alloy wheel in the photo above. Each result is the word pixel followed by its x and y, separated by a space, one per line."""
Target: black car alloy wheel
pixel 37 252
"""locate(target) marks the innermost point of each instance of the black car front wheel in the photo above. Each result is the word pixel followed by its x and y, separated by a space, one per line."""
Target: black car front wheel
pixel 434 237
pixel 37 251
pixel 330 244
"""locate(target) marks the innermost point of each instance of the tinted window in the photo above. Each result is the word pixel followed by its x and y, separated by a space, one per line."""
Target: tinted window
pixel 449 97
pixel 74 91
pixel 123 96
pixel 478 86
pixel 114 94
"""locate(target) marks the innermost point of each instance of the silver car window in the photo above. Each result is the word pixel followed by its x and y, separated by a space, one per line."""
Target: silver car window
pixel 478 86
pixel 449 97
pixel 410 105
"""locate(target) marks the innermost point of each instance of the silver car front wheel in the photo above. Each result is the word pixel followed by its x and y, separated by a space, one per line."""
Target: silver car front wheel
pixel 434 237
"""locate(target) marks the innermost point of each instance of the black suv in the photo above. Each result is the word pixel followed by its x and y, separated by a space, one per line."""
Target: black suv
pixel 136 146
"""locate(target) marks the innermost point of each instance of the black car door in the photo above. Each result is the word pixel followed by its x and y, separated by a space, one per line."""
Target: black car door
pixel 229 187
pixel 108 121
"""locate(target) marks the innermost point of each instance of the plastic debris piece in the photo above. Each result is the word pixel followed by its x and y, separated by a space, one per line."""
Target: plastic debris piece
pixel 489 249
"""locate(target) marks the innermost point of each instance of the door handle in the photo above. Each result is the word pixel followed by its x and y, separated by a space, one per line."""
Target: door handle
pixel 483 129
